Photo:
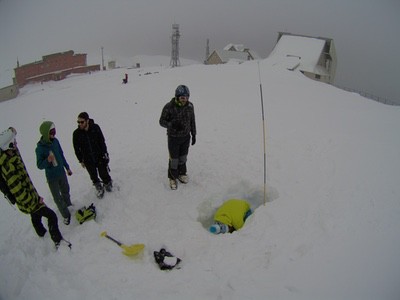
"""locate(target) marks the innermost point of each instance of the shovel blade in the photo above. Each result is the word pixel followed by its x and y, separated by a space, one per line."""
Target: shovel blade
pixel 132 250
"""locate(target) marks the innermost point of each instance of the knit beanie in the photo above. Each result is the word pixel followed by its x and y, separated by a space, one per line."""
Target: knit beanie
pixel 45 130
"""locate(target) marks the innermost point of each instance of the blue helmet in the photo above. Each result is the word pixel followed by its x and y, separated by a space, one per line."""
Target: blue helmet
pixel 182 90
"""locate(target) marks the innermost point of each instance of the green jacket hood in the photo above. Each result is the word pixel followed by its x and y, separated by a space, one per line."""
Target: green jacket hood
pixel 45 129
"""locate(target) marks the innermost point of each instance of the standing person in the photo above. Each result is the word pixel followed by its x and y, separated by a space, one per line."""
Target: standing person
pixel 50 157
pixel 91 151
pixel 20 187
pixel 125 80
pixel 179 119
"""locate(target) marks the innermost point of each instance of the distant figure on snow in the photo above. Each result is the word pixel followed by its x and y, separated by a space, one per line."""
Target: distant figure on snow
pixel 230 216
pixel 179 119
pixel 20 189
pixel 125 80
pixel 91 152
pixel 50 157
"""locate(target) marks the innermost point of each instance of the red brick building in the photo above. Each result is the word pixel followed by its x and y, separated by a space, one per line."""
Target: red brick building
pixel 53 67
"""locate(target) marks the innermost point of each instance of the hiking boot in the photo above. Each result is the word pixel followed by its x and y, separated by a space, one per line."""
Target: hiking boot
pixel 67 220
pixel 58 244
pixel 99 190
pixel 173 184
pixel 183 178
pixel 108 186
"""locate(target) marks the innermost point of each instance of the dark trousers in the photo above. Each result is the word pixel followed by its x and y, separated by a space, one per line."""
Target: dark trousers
pixel 99 170
pixel 59 188
pixel 52 222
pixel 178 148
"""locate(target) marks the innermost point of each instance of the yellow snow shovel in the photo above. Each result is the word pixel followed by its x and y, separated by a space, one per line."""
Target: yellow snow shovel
pixel 131 250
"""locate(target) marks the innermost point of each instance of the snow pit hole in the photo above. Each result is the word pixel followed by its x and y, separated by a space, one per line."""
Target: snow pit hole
pixel 255 197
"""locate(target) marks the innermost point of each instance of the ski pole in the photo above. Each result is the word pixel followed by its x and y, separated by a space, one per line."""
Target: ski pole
pixel 264 140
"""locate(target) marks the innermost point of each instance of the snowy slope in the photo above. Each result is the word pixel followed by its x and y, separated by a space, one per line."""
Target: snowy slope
pixel 329 229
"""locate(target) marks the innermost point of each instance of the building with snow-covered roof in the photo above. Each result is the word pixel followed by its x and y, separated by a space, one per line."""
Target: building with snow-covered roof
pixel 54 66
pixel 315 57
pixel 235 52
pixel 235 47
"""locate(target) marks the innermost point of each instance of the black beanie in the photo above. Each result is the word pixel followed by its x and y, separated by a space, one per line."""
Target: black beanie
pixel 83 115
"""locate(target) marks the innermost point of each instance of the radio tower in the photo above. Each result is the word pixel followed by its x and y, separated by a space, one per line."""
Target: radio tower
pixel 207 51
pixel 175 46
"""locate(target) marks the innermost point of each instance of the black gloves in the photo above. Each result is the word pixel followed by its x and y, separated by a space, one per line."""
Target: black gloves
pixel 177 125
pixel 106 158
pixel 193 140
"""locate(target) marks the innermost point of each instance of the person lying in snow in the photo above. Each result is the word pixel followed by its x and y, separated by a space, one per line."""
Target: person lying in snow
pixel 230 216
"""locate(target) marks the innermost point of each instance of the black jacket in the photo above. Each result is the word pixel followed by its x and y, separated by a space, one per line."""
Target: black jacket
pixel 182 114
pixel 90 146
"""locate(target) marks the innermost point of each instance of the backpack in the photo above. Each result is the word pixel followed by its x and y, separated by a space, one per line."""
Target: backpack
pixel 85 214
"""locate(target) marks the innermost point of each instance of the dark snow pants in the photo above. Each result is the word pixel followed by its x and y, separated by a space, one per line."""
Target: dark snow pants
pixel 59 188
pixel 178 148
pixel 100 170
pixel 52 222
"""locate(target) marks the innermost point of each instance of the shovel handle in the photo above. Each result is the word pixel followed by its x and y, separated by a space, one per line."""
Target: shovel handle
pixel 110 238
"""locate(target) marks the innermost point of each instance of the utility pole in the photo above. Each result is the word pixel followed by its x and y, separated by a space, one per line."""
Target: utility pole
pixel 207 51
pixel 102 59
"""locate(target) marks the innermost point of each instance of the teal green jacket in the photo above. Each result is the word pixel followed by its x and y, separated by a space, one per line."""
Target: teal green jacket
pixel 43 148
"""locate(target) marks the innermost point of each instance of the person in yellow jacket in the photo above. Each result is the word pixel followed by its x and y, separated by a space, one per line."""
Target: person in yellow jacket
pixel 231 216
pixel 21 189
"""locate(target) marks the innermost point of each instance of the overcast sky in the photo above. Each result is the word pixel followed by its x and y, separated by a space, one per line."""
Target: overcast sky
pixel 365 32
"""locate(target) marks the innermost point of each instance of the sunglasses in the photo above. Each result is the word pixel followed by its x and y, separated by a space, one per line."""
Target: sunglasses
pixel 12 146
pixel 80 122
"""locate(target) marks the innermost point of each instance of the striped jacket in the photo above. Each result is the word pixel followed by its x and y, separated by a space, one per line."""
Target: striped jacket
pixel 18 181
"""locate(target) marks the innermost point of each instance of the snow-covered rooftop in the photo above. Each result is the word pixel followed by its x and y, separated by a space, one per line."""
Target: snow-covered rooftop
pixel 299 52
pixel 237 47
pixel 226 55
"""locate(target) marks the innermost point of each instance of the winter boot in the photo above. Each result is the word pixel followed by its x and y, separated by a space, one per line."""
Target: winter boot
pixel 173 184
pixel 63 241
pixel 99 190
pixel 67 220
pixel 183 178
pixel 108 186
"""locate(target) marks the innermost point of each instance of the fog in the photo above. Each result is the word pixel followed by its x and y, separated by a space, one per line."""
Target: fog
pixel 364 31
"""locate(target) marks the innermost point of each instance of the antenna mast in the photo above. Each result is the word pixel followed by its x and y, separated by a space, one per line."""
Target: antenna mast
pixel 207 51
pixel 175 46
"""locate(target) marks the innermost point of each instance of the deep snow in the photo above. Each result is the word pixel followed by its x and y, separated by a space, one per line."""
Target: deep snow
pixel 330 228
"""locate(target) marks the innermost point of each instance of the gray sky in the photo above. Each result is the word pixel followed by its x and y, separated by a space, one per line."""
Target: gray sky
pixel 365 32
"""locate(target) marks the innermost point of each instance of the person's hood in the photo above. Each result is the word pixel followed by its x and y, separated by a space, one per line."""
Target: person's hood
pixel 45 130
pixel 6 137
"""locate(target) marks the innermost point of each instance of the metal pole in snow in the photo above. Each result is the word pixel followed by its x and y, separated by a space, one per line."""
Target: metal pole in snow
pixel 264 139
